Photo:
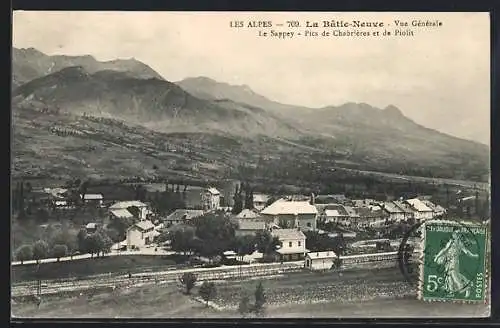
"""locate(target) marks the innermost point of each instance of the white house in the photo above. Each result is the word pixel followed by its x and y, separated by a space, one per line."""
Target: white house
pixel 141 234
pixel 294 214
pixel 422 211
pixel 95 199
pixel 210 199
pixel 321 260
pixel 120 214
pixel 143 208
pixel 293 244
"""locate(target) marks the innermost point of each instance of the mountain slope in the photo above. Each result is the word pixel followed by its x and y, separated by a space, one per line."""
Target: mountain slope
pixel 157 104
pixel 29 64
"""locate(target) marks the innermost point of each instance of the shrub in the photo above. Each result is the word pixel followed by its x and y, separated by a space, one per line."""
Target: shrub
pixel 59 250
pixel 24 253
pixel 208 291
pixel 40 250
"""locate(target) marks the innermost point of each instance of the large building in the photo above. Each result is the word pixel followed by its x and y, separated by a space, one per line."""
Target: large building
pixel 291 214
pixel 126 205
pixel 293 244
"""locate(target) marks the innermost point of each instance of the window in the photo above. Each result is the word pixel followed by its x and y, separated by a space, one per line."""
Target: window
pixel 308 224
pixel 299 243
pixel 290 244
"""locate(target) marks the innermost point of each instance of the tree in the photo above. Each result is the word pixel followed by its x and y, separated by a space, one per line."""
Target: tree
pixel 260 298
pixel 40 250
pixel 188 279
pixel 24 253
pixel 266 243
pixel 238 201
pixel 181 240
pixel 244 306
pixel 82 241
pixel 59 250
pixel 208 291
pixel 244 245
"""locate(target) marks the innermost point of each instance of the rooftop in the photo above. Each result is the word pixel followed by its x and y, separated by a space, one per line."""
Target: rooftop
pixel 418 205
pixel 122 213
pixel 390 207
pixel 183 214
pixel 127 204
pixel 260 198
pixel 247 214
pixel 213 191
pixel 287 234
pixel 92 196
pixel 250 225
pixel 321 255
pixel 145 225
pixel 283 206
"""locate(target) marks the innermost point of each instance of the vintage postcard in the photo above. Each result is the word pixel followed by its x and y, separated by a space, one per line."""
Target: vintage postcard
pixel 250 165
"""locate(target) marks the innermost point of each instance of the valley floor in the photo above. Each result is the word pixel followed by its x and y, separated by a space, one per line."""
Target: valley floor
pixel 359 294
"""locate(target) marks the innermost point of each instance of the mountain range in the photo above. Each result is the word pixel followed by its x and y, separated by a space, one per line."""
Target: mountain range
pixel 130 91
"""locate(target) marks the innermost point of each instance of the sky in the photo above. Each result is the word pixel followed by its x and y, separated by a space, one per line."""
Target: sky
pixel 440 77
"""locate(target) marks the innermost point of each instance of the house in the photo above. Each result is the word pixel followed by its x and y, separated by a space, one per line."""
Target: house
pixel 292 214
pixel 260 201
pixel 93 199
pixel 409 212
pixel 437 209
pixel 422 211
pixel 210 199
pixel 394 212
pixel 142 207
pixel 293 244
pixel 335 213
pixel 246 228
pixel 321 260
pixel 181 216
pixel 141 234
pixel 91 227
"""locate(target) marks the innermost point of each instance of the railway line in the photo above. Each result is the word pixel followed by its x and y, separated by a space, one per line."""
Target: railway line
pixel 357 262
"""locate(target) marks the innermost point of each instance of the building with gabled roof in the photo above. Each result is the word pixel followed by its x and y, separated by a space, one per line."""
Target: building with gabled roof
pixel 421 211
pixel 144 210
pixel 210 199
pixel 292 214
pixel 141 234
pixel 293 244
pixel 325 260
pixel 182 216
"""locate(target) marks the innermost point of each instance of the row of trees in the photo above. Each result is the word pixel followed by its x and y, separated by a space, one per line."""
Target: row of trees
pixel 64 244
pixel 242 201
pixel 40 250
pixel 212 234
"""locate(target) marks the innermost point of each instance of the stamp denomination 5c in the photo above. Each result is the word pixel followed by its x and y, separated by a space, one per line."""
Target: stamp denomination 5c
pixel 454 262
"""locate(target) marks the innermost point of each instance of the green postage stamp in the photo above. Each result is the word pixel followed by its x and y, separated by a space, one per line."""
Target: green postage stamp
pixel 454 266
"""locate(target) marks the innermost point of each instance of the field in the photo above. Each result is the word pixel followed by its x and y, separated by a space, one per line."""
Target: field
pixel 121 264
pixel 380 293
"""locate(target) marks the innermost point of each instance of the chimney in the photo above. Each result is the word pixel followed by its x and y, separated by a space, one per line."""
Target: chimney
pixel 313 199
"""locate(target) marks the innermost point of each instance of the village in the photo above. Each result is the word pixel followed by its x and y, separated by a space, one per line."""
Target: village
pixel 216 226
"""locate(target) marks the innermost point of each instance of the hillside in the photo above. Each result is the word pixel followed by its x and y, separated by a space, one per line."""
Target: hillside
pixel 383 139
pixel 133 113
pixel 156 104
pixel 29 64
